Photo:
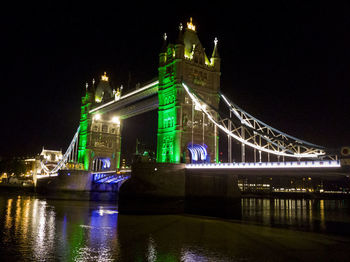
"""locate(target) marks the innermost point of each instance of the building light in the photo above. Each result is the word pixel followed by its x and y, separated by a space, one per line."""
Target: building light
pixel 190 25
pixel 104 77
pixel 97 117
pixel 116 120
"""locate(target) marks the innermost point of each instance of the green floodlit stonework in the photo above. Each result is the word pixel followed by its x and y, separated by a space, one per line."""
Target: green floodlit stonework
pixel 168 136
pixel 84 128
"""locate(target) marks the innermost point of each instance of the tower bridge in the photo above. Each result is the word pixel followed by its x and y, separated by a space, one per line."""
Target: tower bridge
pixel 186 95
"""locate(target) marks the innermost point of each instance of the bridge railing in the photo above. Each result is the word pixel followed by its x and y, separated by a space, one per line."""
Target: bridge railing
pixel 262 165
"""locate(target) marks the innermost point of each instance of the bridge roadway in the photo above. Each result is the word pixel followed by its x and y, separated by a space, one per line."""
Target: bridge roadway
pixel 294 168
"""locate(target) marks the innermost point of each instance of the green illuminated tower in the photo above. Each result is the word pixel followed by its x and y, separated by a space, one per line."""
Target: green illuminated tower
pixel 100 134
pixel 179 123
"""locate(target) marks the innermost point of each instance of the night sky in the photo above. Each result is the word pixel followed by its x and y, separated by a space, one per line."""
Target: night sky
pixel 285 62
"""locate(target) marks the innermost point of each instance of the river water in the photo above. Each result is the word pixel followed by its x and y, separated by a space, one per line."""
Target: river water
pixel 37 229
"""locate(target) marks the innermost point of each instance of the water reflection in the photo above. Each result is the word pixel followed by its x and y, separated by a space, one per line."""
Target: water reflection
pixel 301 214
pixel 8 215
pixel 44 230
pixel 151 250
pixel 33 229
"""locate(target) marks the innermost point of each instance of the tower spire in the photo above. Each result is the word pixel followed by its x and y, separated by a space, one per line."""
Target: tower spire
pixel 104 77
pixel 190 25
pixel 215 51
pixel 180 39
pixel 165 42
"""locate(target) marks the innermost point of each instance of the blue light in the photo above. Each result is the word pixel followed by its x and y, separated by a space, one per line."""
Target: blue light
pixel 108 178
pixel 106 163
pixel 198 152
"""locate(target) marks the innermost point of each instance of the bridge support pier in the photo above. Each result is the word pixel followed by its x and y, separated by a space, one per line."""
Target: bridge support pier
pixel 154 188
pixel 76 185
pixel 160 188
pixel 212 194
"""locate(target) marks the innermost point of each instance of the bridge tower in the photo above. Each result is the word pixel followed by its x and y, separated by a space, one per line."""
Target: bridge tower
pixel 184 133
pixel 100 135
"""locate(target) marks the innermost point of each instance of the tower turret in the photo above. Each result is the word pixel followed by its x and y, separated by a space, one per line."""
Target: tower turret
pixel 85 119
pixel 103 91
pixel 163 50
pixel 215 57
pixel 179 46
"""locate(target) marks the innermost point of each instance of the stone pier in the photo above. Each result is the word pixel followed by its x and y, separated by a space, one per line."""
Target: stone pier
pixel 76 185
pixel 163 188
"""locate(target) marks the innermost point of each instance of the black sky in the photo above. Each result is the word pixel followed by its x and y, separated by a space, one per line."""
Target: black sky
pixel 285 62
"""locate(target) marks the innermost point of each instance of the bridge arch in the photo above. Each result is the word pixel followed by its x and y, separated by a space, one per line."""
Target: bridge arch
pixel 101 164
pixel 198 153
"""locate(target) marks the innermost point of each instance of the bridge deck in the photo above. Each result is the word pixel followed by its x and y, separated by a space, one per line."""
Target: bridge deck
pixel 302 168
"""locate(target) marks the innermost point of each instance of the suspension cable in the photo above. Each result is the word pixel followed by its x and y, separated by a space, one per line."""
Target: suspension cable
pixel 204 106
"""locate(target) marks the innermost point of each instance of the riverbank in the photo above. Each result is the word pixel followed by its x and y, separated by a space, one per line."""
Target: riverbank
pixel 16 188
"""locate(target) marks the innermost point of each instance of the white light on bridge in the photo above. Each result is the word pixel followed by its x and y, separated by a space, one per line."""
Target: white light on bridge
pixel 283 165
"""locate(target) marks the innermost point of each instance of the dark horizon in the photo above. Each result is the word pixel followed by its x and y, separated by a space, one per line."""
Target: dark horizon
pixel 287 64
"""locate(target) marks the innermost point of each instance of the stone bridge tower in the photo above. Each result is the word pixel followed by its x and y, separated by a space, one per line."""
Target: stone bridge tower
pixel 100 134
pixel 184 133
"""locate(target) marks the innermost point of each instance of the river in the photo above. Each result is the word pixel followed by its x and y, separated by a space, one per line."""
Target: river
pixel 37 229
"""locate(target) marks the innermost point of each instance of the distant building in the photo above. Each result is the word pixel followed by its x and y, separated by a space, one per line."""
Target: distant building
pixel 50 157
pixel 30 164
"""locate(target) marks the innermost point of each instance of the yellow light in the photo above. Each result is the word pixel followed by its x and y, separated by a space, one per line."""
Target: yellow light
pixel 97 117
pixel 104 77
pixel 190 25
pixel 116 120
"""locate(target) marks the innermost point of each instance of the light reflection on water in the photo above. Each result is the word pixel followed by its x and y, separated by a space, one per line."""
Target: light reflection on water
pixel 33 229
pixel 329 216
